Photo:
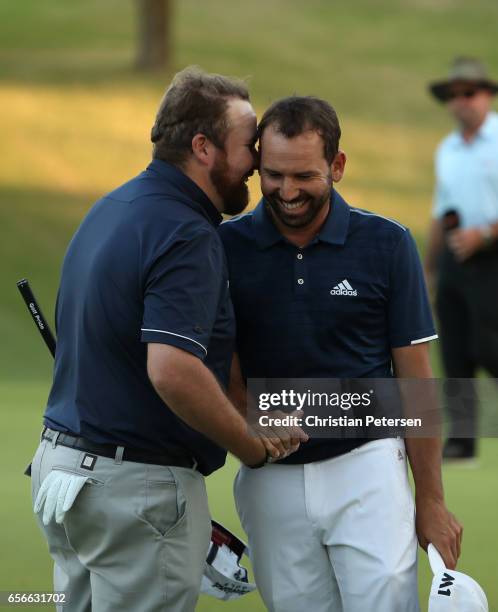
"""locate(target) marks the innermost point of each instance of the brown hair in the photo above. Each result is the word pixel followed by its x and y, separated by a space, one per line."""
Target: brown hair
pixel 195 102
pixel 297 114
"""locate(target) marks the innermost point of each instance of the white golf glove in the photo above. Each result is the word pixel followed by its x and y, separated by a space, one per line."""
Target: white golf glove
pixel 57 494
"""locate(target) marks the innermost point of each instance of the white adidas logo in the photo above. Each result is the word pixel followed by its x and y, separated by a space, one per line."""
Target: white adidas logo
pixel 343 288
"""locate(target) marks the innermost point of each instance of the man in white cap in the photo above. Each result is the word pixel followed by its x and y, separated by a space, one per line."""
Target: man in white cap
pixel 453 591
pixel 462 252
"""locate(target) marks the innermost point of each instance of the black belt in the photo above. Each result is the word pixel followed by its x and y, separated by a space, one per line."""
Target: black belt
pixel 109 450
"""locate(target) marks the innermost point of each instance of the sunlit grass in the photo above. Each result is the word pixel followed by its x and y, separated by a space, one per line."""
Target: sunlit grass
pixel 27 565
pixel 75 123
pixel 80 141
pixel 73 140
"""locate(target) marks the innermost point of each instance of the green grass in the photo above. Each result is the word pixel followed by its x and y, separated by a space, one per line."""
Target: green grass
pixel 75 122
pixel 366 56
pixel 471 493
pixel 76 115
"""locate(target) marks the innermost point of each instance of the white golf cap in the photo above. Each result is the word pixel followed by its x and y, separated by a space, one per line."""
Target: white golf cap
pixel 224 577
pixel 453 591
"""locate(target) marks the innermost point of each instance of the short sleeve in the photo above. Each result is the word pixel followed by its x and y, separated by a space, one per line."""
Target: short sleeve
pixel 409 313
pixel 182 293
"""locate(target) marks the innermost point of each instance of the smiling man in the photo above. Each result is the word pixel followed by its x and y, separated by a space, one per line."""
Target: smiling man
pixel 137 414
pixel 325 290
pixel 296 180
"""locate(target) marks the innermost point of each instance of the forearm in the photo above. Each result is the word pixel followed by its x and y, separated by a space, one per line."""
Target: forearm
pixel 433 522
pixel 434 246
pixel 192 392
pixel 424 455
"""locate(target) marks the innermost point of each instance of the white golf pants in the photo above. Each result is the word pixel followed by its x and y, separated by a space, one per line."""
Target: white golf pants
pixel 333 536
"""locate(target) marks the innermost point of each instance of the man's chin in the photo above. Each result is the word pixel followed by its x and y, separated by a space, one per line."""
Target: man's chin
pixel 295 222
pixel 300 218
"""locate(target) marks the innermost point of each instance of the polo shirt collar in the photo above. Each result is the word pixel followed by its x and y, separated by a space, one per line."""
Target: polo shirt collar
pixel 265 232
pixel 333 231
pixel 335 228
pixel 186 185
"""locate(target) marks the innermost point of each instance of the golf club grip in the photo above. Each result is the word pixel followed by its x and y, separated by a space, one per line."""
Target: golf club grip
pixel 37 315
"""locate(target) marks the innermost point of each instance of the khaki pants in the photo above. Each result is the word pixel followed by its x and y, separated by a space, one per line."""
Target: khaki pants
pixel 135 539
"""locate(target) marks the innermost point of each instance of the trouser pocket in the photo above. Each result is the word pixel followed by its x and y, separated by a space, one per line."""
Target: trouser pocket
pixel 165 504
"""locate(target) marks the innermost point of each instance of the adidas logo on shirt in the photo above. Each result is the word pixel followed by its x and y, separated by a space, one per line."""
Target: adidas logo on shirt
pixel 343 288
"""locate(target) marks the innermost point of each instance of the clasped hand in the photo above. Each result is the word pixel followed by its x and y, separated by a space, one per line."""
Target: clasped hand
pixel 280 441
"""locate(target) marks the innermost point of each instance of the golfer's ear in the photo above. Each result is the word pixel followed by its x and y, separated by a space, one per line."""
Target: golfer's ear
pixel 203 149
pixel 337 166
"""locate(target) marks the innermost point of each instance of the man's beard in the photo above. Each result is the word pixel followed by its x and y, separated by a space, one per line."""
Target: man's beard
pixel 235 196
pixel 315 205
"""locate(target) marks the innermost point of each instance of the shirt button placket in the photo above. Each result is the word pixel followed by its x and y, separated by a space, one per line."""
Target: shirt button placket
pixel 300 275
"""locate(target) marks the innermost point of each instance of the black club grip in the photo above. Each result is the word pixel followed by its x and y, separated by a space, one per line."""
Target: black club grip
pixel 37 315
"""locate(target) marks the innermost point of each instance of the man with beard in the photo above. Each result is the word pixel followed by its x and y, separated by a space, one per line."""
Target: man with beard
pixel 324 290
pixel 137 415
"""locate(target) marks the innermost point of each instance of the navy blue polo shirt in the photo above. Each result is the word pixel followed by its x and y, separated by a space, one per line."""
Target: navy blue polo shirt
pixel 146 265
pixel 333 309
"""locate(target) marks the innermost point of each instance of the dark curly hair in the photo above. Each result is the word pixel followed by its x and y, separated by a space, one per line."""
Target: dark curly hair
pixel 297 114
pixel 195 102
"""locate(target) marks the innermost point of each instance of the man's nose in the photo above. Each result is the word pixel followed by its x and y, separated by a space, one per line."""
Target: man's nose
pixel 288 190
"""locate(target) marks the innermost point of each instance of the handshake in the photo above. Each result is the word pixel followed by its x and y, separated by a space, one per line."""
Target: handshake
pixel 280 441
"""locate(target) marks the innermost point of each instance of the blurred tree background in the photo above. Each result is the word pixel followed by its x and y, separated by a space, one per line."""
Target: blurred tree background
pixel 155 23
pixel 76 113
